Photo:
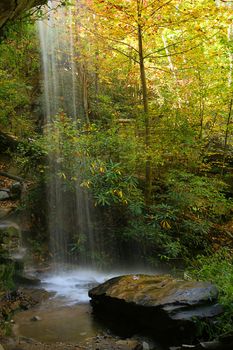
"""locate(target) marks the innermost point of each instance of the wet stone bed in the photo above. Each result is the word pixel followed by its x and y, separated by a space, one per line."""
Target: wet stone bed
pixel 59 317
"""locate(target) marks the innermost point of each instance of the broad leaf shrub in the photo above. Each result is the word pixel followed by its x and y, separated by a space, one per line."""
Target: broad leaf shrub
pixel 107 165
pixel 217 268
pixel 182 217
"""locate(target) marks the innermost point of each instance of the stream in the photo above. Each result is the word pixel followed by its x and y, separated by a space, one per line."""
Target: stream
pixel 67 315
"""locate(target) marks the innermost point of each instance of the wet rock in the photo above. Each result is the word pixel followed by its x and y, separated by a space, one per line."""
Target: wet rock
pixel 145 346
pixel 148 343
pixel 21 299
pixel 33 296
pixel 36 318
pixel 128 344
pixel 159 304
pixel 210 345
pixel 24 278
pixel 112 343
pixel 5 190
pixel 16 190
pixel 4 195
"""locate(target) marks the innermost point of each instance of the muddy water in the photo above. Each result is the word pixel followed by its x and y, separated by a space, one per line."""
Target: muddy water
pixel 56 323
pixel 67 316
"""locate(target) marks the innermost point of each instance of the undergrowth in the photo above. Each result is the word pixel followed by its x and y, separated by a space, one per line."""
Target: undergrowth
pixel 217 268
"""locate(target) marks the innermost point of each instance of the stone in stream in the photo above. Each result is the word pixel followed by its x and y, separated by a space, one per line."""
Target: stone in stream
pixel 160 305
pixel 36 318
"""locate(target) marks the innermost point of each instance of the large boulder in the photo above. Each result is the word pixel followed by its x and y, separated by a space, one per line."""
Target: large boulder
pixel 160 305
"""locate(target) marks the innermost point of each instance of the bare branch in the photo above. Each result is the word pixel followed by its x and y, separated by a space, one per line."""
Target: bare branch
pixel 157 68
pixel 178 53
pixel 124 54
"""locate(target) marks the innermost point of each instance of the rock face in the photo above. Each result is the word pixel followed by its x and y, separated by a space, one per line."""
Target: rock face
pixel 160 305
pixel 10 9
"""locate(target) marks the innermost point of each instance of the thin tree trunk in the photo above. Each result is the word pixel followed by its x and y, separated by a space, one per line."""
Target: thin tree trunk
pixel 226 136
pixel 146 110
pixel 85 94
pixel 202 107
pixel 171 67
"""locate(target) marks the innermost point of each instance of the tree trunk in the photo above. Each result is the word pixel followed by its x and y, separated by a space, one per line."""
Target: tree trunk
pixel 11 176
pixel 227 135
pixel 85 94
pixel 146 112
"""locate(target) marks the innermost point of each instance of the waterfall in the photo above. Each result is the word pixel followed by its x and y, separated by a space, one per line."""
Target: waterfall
pixel 69 213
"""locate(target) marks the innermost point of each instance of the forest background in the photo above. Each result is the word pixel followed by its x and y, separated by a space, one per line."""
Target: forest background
pixel 154 147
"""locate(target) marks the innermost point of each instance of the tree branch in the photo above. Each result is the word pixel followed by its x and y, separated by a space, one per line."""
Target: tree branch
pixel 10 176
pixel 123 53
pixel 177 53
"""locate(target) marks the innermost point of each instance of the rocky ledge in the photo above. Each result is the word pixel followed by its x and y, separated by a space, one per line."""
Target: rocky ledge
pixel 160 305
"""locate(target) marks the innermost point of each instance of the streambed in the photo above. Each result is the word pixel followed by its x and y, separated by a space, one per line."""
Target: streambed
pixel 57 323
pixel 67 316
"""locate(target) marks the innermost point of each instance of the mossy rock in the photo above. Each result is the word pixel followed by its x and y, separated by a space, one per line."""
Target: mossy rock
pixel 10 237
pixel 157 304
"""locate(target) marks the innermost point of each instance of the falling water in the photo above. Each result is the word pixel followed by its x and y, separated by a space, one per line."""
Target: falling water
pixel 69 213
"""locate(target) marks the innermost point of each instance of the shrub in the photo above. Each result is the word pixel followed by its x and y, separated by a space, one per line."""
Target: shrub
pixel 217 268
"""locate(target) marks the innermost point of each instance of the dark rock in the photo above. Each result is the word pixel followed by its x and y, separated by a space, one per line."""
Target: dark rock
pixel 23 278
pixel 158 304
pixel 5 190
pixel 210 345
pixel 225 342
pixel 4 195
pixel 7 142
pixel 16 190
pixel 36 318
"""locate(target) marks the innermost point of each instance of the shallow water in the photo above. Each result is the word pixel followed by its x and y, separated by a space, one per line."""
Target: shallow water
pixel 71 286
pixel 67 315
pixel 72 324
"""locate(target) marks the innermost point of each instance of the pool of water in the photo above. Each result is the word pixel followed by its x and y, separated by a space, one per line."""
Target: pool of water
pixel 67 315
pixel 56 323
